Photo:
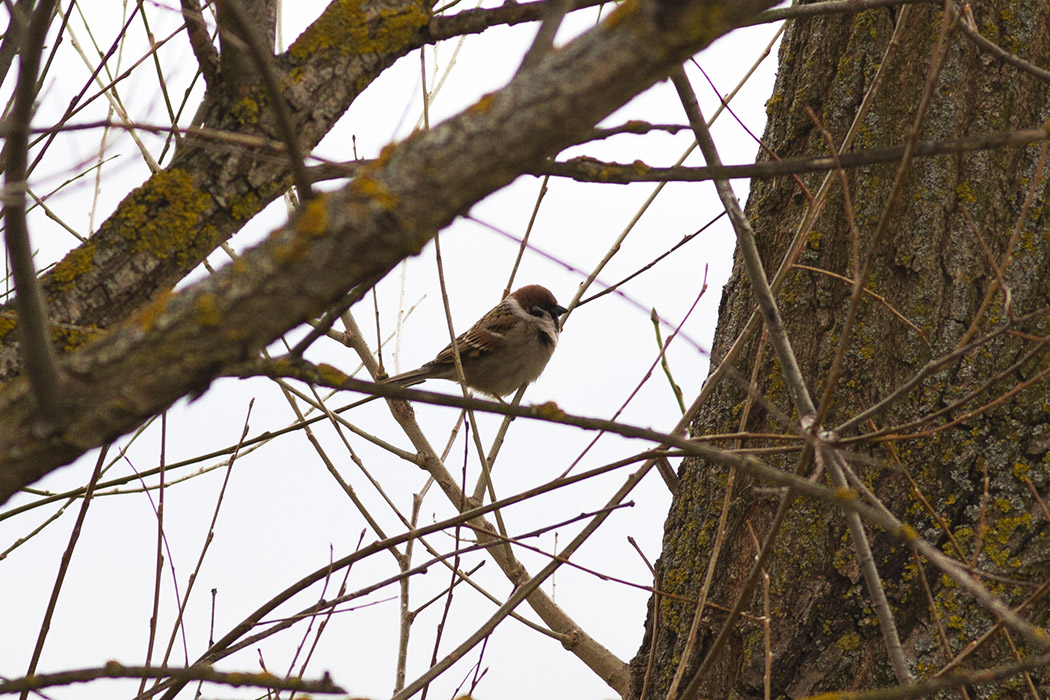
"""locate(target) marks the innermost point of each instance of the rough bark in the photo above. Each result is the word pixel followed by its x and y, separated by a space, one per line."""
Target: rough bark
pixel 931 267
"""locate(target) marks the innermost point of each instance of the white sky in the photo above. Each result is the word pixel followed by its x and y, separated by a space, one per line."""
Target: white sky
pixel 283 515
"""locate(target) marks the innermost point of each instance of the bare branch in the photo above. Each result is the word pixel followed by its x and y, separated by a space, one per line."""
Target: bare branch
pixel 248 32
pixel 200 42
pixel 586 169
pixel 36 350
pixel 193 673
pixel 241 28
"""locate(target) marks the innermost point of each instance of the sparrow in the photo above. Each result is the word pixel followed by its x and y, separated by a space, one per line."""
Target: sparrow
pixel 508 347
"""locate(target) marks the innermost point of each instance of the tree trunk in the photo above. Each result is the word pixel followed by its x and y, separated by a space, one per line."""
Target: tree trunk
pixel 974 488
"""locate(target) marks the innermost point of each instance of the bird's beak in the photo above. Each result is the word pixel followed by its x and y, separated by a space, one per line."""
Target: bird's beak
pixel 556 313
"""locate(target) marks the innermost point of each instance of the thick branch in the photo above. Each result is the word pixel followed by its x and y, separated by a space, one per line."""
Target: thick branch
pixel 171 223
pixel 389 211
pixel 241 30
pixel 103 282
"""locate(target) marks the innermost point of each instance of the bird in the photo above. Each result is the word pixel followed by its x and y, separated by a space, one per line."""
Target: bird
pixel 508 347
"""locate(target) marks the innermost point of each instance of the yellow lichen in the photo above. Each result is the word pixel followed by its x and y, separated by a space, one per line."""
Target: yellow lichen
pixel 548 410
pixel 330 375
pixel 844 493
pixel 348 27
pixel 482 105
pixel 622 12
pixel 207 311
pixel 245 207
pixel 313 218
pixel 148 316
pixel 849 641
pixel 68 338
pixel 367 185
pixel 8 321
pixel 287 253
pixel 907 533
pixel 162 216
pixel 77 262
pixel 814 238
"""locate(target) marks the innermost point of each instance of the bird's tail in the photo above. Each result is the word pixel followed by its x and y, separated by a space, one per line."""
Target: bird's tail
pixel 407 379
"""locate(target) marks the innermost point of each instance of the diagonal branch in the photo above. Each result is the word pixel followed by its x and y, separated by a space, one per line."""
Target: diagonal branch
pixel 170 224
pixel 209 192
pixel 597 657
pixel 392 208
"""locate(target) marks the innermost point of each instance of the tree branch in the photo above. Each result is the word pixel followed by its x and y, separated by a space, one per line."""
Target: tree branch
pixel 193 673
pixel 170 224
pixel 393 208
pixel 262 57
pixel 200 42
pixel 36 350
pixel 586 169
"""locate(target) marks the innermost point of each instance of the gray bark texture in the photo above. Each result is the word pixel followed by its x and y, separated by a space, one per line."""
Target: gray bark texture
pixel 975 489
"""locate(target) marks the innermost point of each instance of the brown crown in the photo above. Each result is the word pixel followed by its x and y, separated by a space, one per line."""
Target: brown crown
pixel 533 295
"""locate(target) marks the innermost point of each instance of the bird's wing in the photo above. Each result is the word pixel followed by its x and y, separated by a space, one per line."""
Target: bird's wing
pixel 484 337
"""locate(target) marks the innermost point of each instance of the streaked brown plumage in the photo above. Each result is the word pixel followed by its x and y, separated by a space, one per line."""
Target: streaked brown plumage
pixel 509 346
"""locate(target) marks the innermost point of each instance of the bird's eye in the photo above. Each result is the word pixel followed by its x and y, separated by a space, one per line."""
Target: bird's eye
pixel 537 312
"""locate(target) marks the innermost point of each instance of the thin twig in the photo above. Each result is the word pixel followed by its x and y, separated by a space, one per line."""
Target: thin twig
pixel 649 265
pixel 63 568
pixel 587 169
pixel 194 673
pixel 528 232
pixel 664 364
pixel 656 620
pixel 159 552
pixel 828 8
pixel 877 297
pixel 207 541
